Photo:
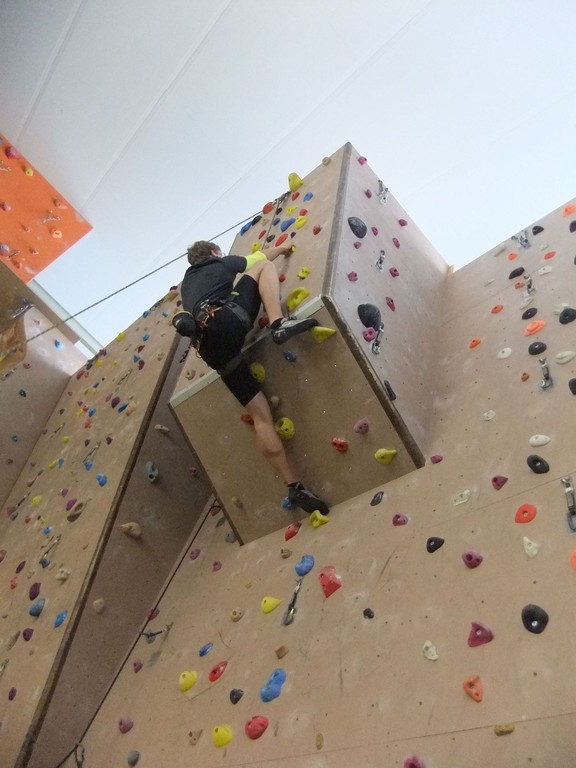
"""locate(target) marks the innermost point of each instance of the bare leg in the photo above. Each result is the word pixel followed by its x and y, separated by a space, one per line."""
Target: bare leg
pixel 267 440
pixel 264 273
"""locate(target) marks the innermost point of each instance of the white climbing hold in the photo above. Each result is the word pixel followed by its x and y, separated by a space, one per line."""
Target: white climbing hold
pixel 429 651
pixel 564 357
pixel 539 440
pixel 63 574
pixel 99 605
pixel 530 547
pixel 544 270
pixel 131 529
pixel 528 300
pixel 488 415
pixel 559 308
pixel 504 353
pixel 461 498
pixel 161 428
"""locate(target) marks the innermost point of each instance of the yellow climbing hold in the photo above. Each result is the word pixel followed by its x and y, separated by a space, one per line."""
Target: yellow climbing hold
pixel 255 247
pixel 294 181
pixel 66 439
pixel 53 464
pixel 269 604
pixel 36 500
pixel 120 336
pixel 187 680
pixel 385 455
pixel 304 272
pixel 290 209
pixel 296 297
pixel 222 735
pixel 258 371
pixel 300 221
pixel 285 428
pixel 317 519
pixel 320 334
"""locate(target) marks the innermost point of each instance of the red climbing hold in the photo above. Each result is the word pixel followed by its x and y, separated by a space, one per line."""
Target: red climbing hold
pixel 550 255
pixel 268 208
pixel 436 459
pixel 292 530
pixel 246 418
pixel 497 308
pixel 281 239
pixel 340 444
pixel 316 230
pixel 480 634
pixel 399 520
pixel 295 195
pixel 525 514
pixel 413 761
pixel 256 726
pixel 125 724
pixel 217 671
pixel 329 580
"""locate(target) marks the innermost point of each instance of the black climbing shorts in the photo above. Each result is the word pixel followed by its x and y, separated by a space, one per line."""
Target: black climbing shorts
pixel 223 339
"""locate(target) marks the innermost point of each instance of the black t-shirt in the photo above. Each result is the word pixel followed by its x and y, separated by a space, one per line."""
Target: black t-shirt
pixel 210 281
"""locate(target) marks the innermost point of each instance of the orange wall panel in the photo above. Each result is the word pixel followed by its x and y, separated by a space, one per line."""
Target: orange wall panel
pixel 36 223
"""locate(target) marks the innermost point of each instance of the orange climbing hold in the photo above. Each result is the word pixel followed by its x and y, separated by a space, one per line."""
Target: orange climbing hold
pixel 525 376
pixel 526 513
pixel 534 327
pixel 569 210
pixel 512 256
pixel 550 255
pixel 573 559
pixel 497 308
pixel 473 687
pixel 474 343
pixel 519 284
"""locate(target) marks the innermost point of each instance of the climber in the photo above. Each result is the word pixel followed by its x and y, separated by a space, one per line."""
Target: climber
pixel 217 315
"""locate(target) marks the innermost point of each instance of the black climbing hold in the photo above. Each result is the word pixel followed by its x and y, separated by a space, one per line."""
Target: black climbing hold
pixel 370 316
pixel 572 386
pixel 22 393
pixel 534 618
pixel 256 219
pixel 235 695
pixel 377 498
pixel 270 238
pixel 529 313
pixel 389 391
pixel 516 273
pixel 537 347
pixel 573 226
pixel 536 229
pixel 368 613
pixel 567 315
pixel 434 543
pixel 537 464
pixel 357 226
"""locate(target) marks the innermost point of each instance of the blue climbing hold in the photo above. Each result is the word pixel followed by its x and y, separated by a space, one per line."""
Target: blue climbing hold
pixel 91 412
pixel 287 223
pixel 205 649
pixel 287 504
pixel 60 462
pixel 275 221
pixel 102 480
pixel 308 196
pixel 145 313
pixel 88 464
pixel 146 337
pixel 37 607
pixel 61 618
pixel 305 565
pixel 290 356
pixel 58 344
pixel 48 530
pixel 122 407
pixel 245 228
pixel 272 688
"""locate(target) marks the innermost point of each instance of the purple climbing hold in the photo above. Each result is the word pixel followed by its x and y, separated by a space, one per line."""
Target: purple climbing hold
pixel 70 504
pixel 194 553
pixel 27 633
pixel 34 590
pixel 114 402
pixel 137 665
pixel 11 694
pixel 361 427
pixel 480 634
pixel 472 559
pixel 216 565
pixel 499 481
pixel 413 761
pixel 20 566
pixel 399 519
pixel 394 272
pixel 125 724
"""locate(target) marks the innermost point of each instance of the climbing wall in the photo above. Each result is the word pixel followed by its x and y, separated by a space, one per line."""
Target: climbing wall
pixel 37 223
pixel 433 623
pixel 76 587
pixel 347 403
pixel 33 374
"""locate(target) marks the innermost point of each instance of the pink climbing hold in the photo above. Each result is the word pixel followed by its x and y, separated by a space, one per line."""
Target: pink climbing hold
pixel 125 724
pixel 480 634
pixel 374 230
pixel 216 565
pixel 329 580
pixel 362 160
pixel 396 242
pixel 403 222
pixel 471 559
pixel 436 459
pixel 352 276
pixel 390 303
pixel 357 244
pixel 399 519
pixel 194 553
pixel 362 426
pixel 394 272
pixel 368 193
pixel 137 665
pixel 499 481
pixel 369 334
pixel 413 761
pixel 256 726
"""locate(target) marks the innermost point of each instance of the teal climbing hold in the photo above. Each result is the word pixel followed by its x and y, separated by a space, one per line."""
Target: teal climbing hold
pixel 37 607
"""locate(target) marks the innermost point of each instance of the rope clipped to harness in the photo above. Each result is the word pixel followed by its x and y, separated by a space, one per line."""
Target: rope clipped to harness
pixel 185 324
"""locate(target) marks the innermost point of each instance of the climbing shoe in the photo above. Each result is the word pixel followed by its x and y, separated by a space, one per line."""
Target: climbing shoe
pixel 306 500
pixel 290 327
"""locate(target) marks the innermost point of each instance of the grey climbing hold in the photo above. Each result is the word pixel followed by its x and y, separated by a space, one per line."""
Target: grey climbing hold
pixel 516 273
pixel 537 464
pixel 377 498
pixel 357 226
pixel 152 471
pixel 133 757
pixel 434 543
pixel 534 618
pixel 235 695
pixel 529 313
pixel 567 315
pixel 536 348
pixel 370 316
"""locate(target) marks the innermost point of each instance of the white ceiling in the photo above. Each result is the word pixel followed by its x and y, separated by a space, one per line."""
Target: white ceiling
pixel 167 121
